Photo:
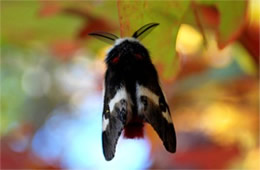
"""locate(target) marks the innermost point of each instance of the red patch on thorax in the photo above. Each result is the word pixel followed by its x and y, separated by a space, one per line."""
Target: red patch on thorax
pixel 115 60
pixel 138 56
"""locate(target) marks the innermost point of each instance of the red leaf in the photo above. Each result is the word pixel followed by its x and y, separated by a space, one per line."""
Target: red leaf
pixel 216 15
pixel 209 15
pixel 208 157
pixel 49 8
pixel 64 50
pixel 190 67
pixel 93 26
pixel 91 23
pixel 250 39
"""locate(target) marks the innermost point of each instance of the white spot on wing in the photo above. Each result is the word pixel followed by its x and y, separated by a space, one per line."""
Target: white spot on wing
pixel 120 94
pixel 143 91
pixel 105 122
pixel 167 116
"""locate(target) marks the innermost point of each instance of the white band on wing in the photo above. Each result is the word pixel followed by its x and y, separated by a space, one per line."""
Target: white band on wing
pixel 120 94
pixel 105 122
pixel 143 91
pixel 167 116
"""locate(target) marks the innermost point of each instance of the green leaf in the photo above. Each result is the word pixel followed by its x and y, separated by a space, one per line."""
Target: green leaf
pixel 22 25
pixel 232 22
pixel 232 19
pixel 162 40
pixel 244 60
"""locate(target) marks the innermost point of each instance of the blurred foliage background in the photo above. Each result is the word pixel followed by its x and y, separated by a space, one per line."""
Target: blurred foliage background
pixel 207 56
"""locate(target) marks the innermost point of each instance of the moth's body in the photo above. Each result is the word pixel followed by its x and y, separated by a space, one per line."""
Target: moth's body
pixel 128 71
pixel 132 94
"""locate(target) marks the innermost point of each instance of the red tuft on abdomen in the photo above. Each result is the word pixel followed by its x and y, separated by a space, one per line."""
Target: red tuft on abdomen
pixel 134 130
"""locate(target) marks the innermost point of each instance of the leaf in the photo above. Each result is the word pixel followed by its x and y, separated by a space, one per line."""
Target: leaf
pixel 162 40
pixel 194 18
pixel 217 157
pixel 64 49
pixel 49 8
pixel 245 61
pixel 91 22
pixel 250 40
pixel 228 21
pixel 84 11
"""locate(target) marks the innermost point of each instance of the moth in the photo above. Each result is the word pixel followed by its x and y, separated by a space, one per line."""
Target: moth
pixel 132 93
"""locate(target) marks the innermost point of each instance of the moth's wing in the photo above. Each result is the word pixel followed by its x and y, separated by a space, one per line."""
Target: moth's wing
pixel 110 136
pixel 153 106
pixel 157 113
pixel 104 36
pixel 114 116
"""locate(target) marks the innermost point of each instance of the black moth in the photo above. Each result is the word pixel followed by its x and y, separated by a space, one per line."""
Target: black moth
pixel 132 93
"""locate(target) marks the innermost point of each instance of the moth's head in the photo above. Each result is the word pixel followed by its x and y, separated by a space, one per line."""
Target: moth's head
pixel 125 46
